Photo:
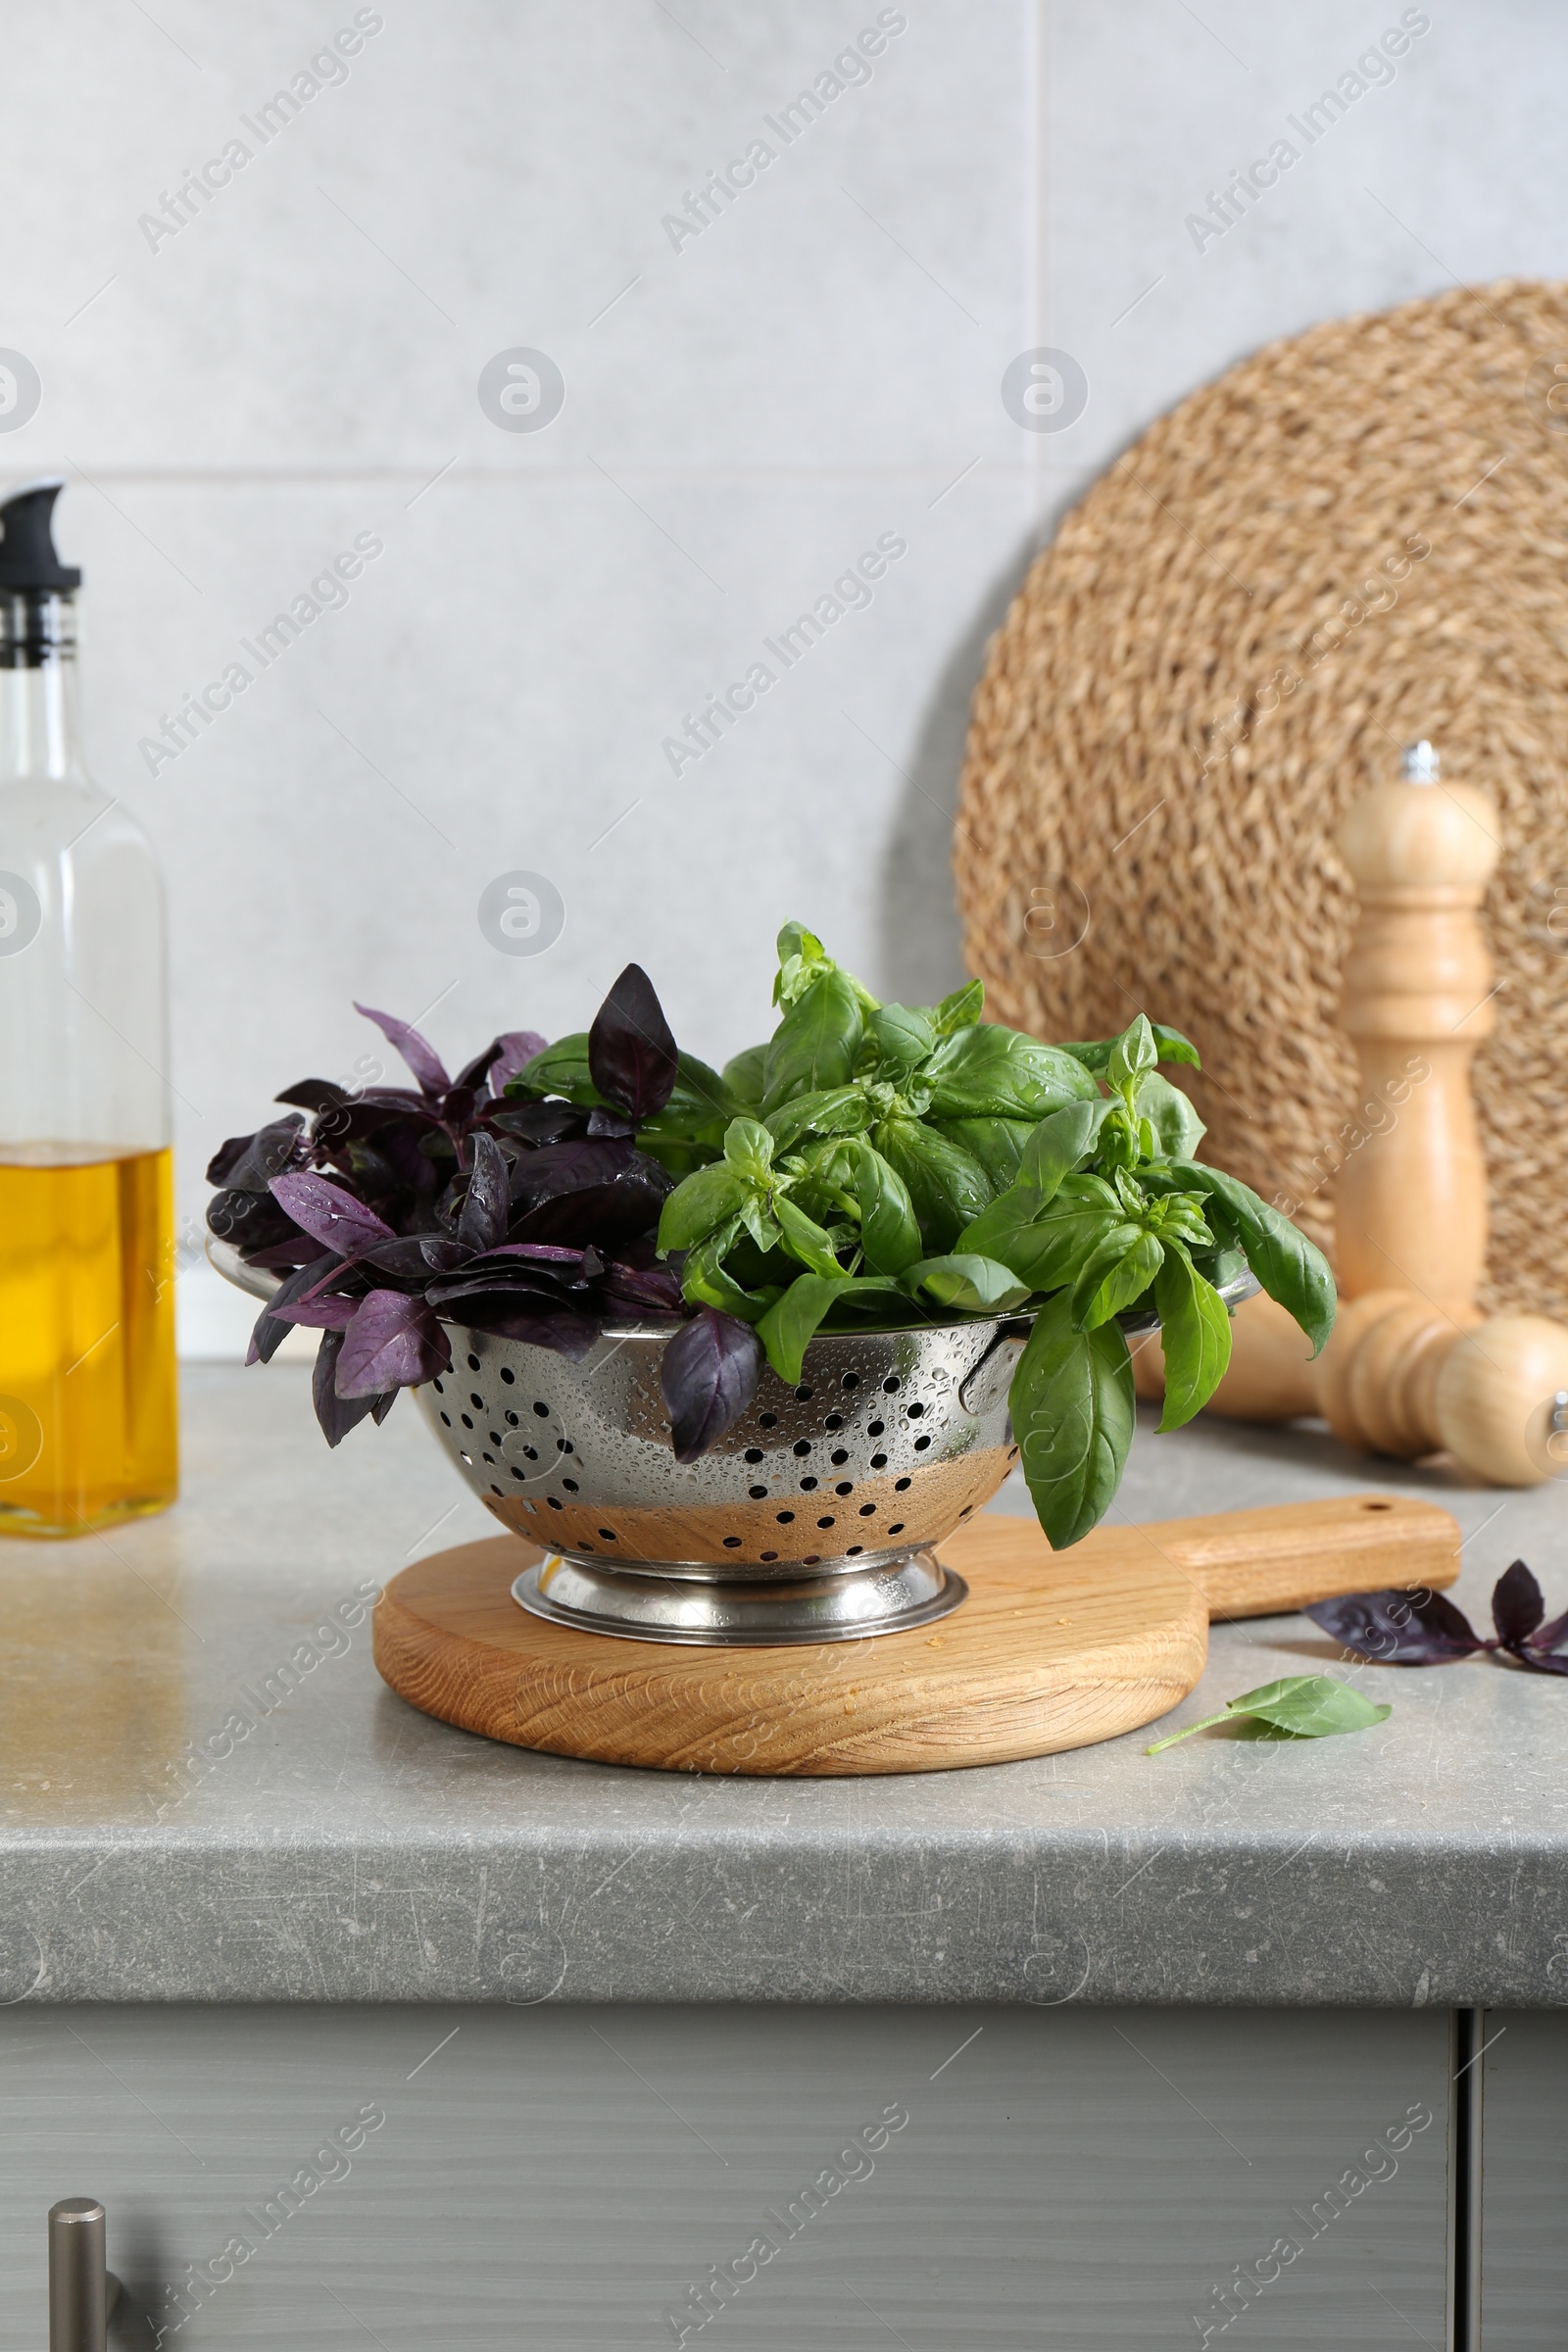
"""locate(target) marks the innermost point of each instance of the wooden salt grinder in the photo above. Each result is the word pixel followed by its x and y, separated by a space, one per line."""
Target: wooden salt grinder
pixel 1410 1200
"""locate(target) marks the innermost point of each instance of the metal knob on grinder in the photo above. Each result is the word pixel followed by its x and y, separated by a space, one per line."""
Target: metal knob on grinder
pixel 81 2290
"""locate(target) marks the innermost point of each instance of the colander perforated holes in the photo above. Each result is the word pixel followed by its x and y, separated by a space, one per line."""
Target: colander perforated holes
pixel 543 1410
pixel 758 1493
pixel 769 1555
pixel 473 1363
pixel 834 1421
pixel 846 1486
pixel 804 1395
pixel 554 1503
pixel 914 1411
pixel 824 1523
pixel 511 1420
pixel 854 1548
pixel 808 1486
pixel 478 1402
pixel 875 1429
pixel 803 1444
pixel 609 1535
pixel 732 1542
pixel 890 1385
pixel 753 1453
pixel 784 1518
pixel 896 1528
pixel 768 1420
pixel 571 1485
pixel 868 1510
pixel 879 1461
pixel 920 1445
pixel 851 1379
pixel 507 1375
pixel 899 1485
pixel 436 1385
pixel 466 1419
pixel 838 1457
pixel 447 1418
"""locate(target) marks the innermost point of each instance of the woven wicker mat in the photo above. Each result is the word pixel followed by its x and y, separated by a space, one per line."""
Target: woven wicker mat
pixel 1353 539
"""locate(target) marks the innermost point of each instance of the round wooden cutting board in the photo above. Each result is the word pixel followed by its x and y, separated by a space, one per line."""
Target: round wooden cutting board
pixel 1050 1650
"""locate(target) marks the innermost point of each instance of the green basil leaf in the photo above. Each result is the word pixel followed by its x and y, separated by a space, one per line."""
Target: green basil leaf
pixel 1289 1266
pixel 1133 1052
pixel 743 1075
pixel 1299 1706
pixel 998 1145
pixel 1056 1146
pixel 1178 1129
pixel 1195 1334
pixel 1048 1251
pixel 1121 1271
pixel 699 1205
pixel 749 1150
pixel 815 1044
pixel 701 1105
pixel 560 1069
pixel 836 1110
pixel 1095 1053
pixel 899 1036
pixel 985 1071
pixel 959 1009
pixel 707 1281
pixel 890 1230
pixel 946 1185
pixel 1073 1412
pixel 976 1286
pixel 805 1239
pixel 795 1318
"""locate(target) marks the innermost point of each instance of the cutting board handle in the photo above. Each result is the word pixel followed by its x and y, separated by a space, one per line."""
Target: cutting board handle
pixel 1254 1563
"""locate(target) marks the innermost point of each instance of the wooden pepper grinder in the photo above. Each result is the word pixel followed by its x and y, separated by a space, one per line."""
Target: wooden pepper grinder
pixel 1412 1368
pixel 1416 999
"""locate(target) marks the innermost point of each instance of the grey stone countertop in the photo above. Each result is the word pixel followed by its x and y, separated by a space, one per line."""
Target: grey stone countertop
pixel 182 1825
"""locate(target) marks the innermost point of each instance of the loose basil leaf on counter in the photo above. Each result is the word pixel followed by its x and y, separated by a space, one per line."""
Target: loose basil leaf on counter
pixel 815 1044
pixel 632 1054
pixel 1195 1334
pixel 1299 1706
pixel 890 1230
pixel 1073 1411
pixel 1399 1628
pixel 1290 1267
pixel 947 1186
pixel 975 1286
pixel 709 1373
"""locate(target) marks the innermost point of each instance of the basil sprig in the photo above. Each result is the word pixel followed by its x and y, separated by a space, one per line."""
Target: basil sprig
pixel 909 1164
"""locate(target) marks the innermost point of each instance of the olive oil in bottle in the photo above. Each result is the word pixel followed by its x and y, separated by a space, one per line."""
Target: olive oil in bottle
pixel 87 1394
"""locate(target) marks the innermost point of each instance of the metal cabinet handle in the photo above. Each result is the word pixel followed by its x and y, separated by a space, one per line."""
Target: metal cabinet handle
pixel 81 2290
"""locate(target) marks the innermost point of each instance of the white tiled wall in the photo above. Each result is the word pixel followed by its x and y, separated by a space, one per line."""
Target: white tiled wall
pixel 746 410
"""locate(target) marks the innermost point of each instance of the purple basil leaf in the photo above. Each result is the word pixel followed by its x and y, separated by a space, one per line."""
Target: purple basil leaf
pixel 250 1221
pixel 457 1108
pixel 1517 1607
pixel 550 1255
pixel 482 1222
pixel 414 1256
pixel 604 1213
pixel 709 1373
pixel 535 1124
pixel 527 1295
pixel 313 1094
pixel 1539 1661
pixel 539 1325
pixel 602 1120
pixel 331 1214
pixel 270 1329
pixel 657 1286
pixel 336 1414
pixel 518 1047
pixel 248 1162
pixel 393 1342
pixel 1548 1638
pixel 298 1250
pixel 1400 1629
pixel 472 1073
pixel 632 1054
pixel 381 1405
pixel 419 1055
pixel 327 1313
pixel 568 1166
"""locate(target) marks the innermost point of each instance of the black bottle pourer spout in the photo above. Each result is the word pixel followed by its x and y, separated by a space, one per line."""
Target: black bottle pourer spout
pixel 28 563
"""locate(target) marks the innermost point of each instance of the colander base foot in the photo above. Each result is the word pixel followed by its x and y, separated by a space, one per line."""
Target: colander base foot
pixel 912 1590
